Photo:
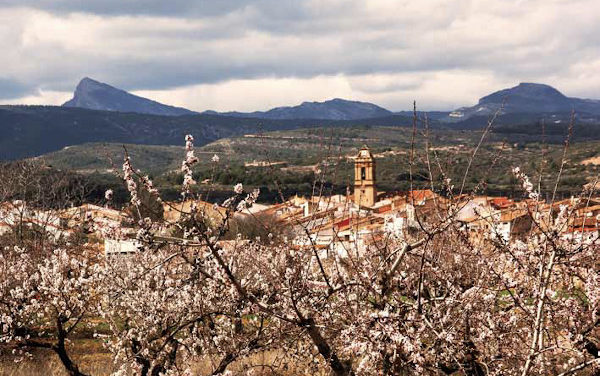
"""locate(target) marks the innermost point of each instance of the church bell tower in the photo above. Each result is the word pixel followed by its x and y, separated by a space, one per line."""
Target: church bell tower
pixel 365 192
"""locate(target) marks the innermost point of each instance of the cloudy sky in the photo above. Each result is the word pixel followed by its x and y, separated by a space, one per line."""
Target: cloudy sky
pixel 254 55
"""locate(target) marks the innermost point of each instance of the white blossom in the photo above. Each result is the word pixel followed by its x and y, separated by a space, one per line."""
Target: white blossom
pixel 238 189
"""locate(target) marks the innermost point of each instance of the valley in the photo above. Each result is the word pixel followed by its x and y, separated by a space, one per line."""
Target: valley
pixel 291 161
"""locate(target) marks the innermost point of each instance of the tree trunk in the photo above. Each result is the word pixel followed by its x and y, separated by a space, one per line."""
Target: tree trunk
pixel 60 349
pixel 338 368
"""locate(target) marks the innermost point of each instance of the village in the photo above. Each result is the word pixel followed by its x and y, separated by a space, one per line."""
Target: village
pixel 333 224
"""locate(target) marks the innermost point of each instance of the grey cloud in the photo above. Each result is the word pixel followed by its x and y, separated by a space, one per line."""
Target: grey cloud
pixel 388 87
pixel 215 41
pixel 131 7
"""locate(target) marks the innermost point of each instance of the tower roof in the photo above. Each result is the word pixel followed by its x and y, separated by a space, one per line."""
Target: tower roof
pixel 365 153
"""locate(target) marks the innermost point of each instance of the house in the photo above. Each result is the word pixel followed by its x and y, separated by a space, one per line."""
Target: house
pixel 113 247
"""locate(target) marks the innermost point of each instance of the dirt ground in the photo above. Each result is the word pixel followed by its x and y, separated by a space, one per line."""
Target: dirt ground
pixel 89 354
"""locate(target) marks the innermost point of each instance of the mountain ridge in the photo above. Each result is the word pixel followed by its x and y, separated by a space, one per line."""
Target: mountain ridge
pixel 95 95
pixel 333 109
pixel 525 98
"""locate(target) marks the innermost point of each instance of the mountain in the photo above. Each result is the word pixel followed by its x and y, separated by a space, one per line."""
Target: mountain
pixel 334 109
pixel 95 95
pixel 528 98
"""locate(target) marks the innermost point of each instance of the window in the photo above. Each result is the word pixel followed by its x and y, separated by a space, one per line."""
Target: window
pixel 363 173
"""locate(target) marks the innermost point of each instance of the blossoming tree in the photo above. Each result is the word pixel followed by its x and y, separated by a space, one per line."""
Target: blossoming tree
pixel 437 301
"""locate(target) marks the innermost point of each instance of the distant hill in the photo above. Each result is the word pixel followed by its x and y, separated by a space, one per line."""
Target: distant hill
pixel 528 98
pixel 334 109
pixel 28 131
pixel 90 157
pixel 95 95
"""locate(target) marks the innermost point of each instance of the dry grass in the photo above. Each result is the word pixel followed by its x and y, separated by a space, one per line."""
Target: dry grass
pixel 94 360
pixel 591 161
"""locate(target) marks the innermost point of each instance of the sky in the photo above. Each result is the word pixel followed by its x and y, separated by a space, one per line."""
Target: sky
pixel 254 55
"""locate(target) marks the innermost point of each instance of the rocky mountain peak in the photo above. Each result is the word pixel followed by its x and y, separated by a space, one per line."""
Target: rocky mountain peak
pixel 96 95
